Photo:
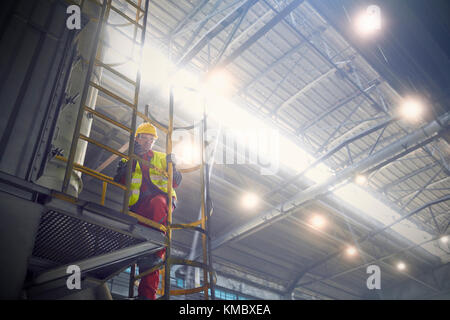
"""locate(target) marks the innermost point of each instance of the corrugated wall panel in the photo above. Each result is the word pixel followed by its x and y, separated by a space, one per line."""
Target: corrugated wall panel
pixel 34 43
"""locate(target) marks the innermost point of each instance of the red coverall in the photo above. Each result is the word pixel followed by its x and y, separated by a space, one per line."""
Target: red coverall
pixel 154 207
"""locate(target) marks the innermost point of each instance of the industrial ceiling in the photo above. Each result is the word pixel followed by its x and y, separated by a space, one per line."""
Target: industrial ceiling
pixel 295 71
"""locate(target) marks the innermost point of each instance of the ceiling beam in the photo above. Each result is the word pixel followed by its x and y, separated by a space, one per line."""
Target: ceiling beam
pixel 286 208
pixel 303 90
pixel 261 32
pixel 386 187
pixel 214 31
pixel 188 17
pixel 363 239
pixel 270 68
pixel 232 34
pixel 409 290
pixel 333 65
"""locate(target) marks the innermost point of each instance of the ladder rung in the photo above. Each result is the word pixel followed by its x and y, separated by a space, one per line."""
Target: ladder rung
pixel 181 227
pixel 135 5
pixel 83 170
pixel 180 292
pixel 112 94
pixel 101 145
pixel 93 173
pixel 106 118
pixel 186 262
pixel 117 73
pixel 148 222
pixel 188 170
pixel 146 272
pixel 186 225
pixel 126 17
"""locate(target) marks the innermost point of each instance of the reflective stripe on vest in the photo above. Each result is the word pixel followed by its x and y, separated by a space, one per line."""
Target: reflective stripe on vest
pixel 135 186
pixel 155 177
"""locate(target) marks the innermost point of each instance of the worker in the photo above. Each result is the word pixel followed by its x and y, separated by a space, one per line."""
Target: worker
pixel 148 196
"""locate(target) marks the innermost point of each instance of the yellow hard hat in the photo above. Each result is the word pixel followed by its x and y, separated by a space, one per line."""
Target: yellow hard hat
pixel 146 128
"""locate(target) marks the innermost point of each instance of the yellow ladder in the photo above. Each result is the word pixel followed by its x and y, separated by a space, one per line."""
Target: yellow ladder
pixel 139 21
pixel 94 60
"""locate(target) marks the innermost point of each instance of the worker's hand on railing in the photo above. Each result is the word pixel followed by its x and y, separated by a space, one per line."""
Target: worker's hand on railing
pixel 177 177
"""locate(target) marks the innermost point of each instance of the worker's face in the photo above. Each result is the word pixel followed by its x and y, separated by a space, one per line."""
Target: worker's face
pixel 146 141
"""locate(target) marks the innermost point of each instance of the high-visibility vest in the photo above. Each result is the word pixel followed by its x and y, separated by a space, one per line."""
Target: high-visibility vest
pixel 158 179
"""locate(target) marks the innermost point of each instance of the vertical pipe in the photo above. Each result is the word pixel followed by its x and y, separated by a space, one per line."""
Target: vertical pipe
pixel 207 248
pixel 203 209
pixel 203 177
pixel 169 196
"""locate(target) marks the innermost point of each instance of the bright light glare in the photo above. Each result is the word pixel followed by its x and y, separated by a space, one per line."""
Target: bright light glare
pixel 444 239
pixel 318 221
pixel 155 68
pixel 361 179
pixel 401 266
pixel 411 110
pixel 218 83
pixel 319 173
pixel 351 251
pixel 368 22
pixel 290 154
pixel 249 200
pixel 189 154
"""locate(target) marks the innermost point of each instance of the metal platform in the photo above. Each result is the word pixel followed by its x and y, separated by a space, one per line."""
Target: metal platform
pixel 43 232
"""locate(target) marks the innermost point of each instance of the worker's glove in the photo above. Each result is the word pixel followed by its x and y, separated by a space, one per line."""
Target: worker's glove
pixel 120 170
pixel 138 149
pixel 171 158
pixel 177 177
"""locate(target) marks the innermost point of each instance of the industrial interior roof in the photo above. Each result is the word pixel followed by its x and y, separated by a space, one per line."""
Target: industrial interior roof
pixel 303 77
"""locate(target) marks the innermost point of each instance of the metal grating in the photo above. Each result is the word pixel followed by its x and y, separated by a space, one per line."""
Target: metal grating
pixel 63 239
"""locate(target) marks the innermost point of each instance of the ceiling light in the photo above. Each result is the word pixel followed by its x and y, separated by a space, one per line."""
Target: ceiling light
pixel 249 200
pixel 361 179
pixel 318 221
pixel 189 154
pixel 351 251
pixel 411 110
pixel 368 21
pixel 401 266
pixel 444 239
pixel 217 83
